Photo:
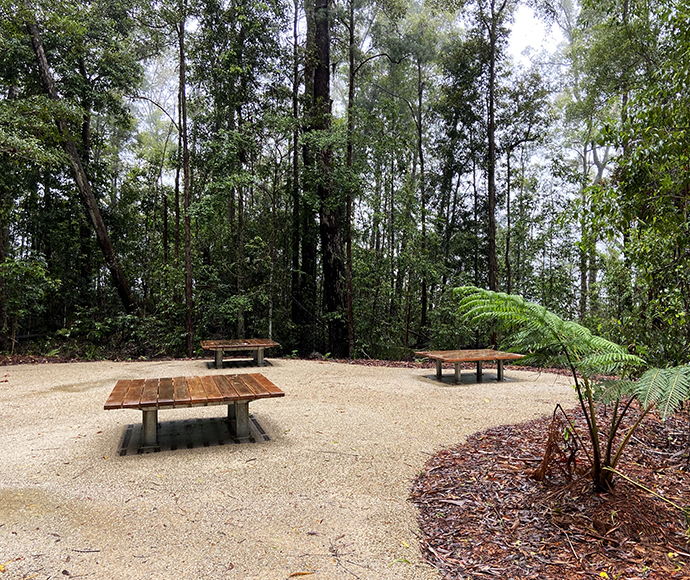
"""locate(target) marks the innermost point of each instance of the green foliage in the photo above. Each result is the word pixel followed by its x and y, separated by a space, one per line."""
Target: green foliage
pixel 642 52
pixel 24 284
pixel 92 336
pixel 28 131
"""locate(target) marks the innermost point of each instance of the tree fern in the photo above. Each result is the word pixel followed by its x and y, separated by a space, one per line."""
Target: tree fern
pixel 539 333
pixel 545 338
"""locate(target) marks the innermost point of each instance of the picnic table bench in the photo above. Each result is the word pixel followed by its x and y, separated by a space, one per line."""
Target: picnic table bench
pixel 253 344
pixel 150 395
pixel 460 356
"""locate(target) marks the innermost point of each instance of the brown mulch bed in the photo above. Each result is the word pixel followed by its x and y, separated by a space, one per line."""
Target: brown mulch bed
pixel 482 515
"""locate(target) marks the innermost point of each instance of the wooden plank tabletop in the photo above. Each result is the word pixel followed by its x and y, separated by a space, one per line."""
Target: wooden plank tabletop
pixel 190 391
pixel 485 354
pixel 238 344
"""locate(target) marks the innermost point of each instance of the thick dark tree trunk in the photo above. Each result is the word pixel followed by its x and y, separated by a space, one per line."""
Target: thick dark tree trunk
pixel 330 210
pixel 80 177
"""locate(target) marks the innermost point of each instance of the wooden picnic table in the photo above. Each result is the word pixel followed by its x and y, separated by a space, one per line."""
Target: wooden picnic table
pixel 150 395
pixel 461 356
pixel 253 344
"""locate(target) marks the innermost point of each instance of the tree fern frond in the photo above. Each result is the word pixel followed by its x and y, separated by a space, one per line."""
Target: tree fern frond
pixel 611 390
pixel 603 344
pixel 649 387
pixel 609 362
pixel 665 388
pixel 677 391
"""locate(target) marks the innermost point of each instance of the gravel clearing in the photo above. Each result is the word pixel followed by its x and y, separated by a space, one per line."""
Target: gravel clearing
pixel 325 497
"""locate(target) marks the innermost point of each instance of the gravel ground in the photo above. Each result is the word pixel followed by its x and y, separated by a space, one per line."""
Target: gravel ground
pixel 325 497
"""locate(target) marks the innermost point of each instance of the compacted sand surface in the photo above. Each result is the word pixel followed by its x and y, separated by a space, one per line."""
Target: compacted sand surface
pixel 324 494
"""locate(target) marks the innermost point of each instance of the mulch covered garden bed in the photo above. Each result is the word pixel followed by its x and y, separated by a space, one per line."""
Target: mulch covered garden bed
pixel 482 515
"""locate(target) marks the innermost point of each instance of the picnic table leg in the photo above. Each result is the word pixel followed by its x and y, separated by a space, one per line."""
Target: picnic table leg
pixel 219 358
pixel 500 369
pixel 259 356
pixel 479 371
pixel 238 417
pixel 439 370
pixel 458 373
pixel 149 428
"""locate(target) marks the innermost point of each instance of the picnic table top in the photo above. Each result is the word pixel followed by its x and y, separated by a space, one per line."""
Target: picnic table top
pixel 190 391
pixel 238 343
pixel 484 354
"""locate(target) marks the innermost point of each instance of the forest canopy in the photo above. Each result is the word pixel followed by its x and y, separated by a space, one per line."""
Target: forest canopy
pixel 326 172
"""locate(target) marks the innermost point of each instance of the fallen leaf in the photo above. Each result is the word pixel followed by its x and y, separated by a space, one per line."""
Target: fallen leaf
pixel 295 574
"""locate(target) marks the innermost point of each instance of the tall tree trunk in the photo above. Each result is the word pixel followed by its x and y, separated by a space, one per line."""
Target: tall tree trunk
pixel 330 210
pixel 491 158
pixel 295 282
pixel 508 224
pixel 4 235
pixel 422 188
pixel 164 196
pixel 82 180
pixel 178 169
pixel 349 164
pixel 186 183
pixel 309 233
pixel 240 260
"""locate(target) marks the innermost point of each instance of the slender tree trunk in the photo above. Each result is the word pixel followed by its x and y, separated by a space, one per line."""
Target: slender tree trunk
pixel 422 189
pixel 186 183
pixel 307 336
pixel 296 295
pixel 475 207
pixel 178 170
pixel 87 196
pixel 349 163
pixel 491 162
pixel 240 260
pixel 508 225
pixel 164 235
pixel 4 322
pixel 164 199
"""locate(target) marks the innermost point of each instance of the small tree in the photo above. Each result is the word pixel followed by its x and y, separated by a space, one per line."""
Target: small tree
pixel 547 339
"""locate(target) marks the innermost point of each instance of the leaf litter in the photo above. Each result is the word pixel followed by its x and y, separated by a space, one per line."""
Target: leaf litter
pixel 482 514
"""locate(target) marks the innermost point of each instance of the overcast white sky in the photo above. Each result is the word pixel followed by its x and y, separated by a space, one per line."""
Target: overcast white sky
pixel 529 31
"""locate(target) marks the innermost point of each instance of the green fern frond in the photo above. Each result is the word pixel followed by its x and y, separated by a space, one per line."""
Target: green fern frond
pixel 531 328
pixel 665 388
pixel 650 386
pixel 610 390
pixel 603 344
pixel 609 362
